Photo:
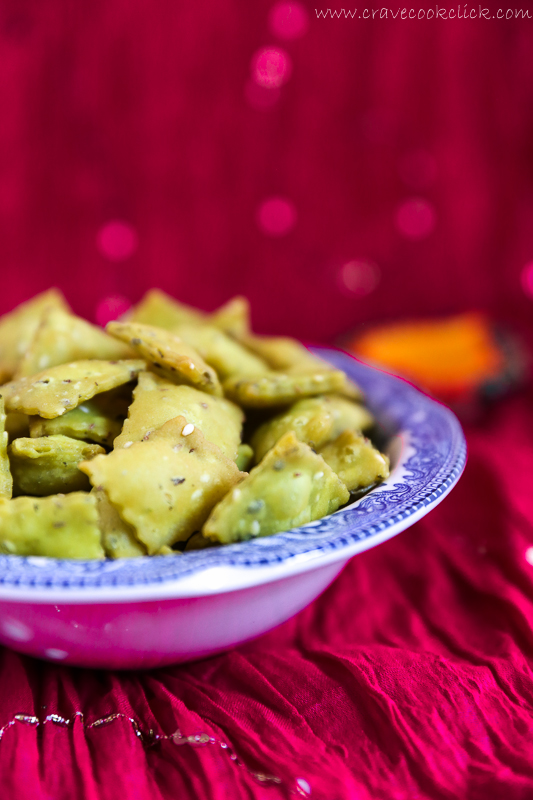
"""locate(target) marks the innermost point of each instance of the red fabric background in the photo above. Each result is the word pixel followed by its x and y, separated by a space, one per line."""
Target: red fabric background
pixel 411 677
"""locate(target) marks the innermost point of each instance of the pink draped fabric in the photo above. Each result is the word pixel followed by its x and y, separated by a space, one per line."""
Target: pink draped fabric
pixel 134 151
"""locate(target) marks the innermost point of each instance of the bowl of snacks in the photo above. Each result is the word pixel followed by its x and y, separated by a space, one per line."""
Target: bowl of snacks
pixel 176 484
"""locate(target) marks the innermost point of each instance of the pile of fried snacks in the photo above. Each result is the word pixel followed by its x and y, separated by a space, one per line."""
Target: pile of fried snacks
pixel 172 430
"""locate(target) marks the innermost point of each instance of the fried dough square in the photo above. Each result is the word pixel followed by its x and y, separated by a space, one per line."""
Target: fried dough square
pixel 355 460
pixel 281 388
pixel 54 391
pixel 18 328
pixel 169 355
pixel 86 421
pixel 233 317
pixel 59 526
pixel 221 352
pixel 157 400
pixel 49 465
pixel 158 308
pixel 62 338
pixel 165 485
pixel 291 486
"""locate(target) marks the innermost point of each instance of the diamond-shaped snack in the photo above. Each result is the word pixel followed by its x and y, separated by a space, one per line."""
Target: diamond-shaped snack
pixel 169 355
pixel 59 526
pixel 158 308
pixel 87 421
pixel 56 390
pixel 18 328
pixel 314 420
pixel 6 479
pixel 280 352
pixel 281 388
pixel 221 352
pixel 355 460
pixel 166 485
pixel 118 538
pixel 233 317
pixel 291 486
pixel 49 465
pixel 156 400
pixel 62 338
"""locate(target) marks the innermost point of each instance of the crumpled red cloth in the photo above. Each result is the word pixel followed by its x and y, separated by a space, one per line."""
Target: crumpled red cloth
pixel 410 677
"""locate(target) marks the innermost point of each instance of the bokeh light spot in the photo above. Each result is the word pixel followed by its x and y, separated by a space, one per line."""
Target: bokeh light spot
pixel 417 169
pixel 415 218
pixel 288 20
pixel 359 277
pixel 271 67
pixel 303 786
pixel 527 279
pixel 117 240
pixel 261 97
pixel 276 216
pixel 529 555
pixel 111 307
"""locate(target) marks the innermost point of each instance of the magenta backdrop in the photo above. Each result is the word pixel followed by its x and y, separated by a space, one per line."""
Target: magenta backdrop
pixel 138 149
pixel 140 112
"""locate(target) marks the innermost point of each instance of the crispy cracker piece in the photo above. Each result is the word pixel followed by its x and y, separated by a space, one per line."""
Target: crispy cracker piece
pixel 245 457
pixel 233 317
pixel 314 420
pixel 56 390
pixel 355 460
pixel 166 485
pixel 49 465
pixel 156 400
pixel 158 308
pixel 86 421
pixel 6 479
pixel 169 355
pixel 280 352
pixel 118 538
pixel 291 486
pixel 221 352
pixel 280 389
pixel 289 355
pixel 62 338
pixel 59 526
pixel 18 328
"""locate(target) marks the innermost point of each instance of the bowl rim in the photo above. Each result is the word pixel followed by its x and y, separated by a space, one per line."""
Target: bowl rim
pixel 431 461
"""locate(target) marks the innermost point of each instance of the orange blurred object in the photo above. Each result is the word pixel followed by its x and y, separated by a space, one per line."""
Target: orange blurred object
pixel 449 357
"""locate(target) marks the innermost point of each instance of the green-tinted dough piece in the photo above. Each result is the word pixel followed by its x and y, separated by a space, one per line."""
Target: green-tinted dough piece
pixel 281 388
pixel 280 352
pixel 245 456
pixel 118 538
pixel 233 317
pixel 166 485
pixel 169 356
pixel 60 526
pixel 315 421
pixel 156 400
pixel 355 460
pixel 56 390
pixel 221 352
pixel 6 480
pixel 158 308
pixel 291 486
pixel 49 465
pixel 62 338
pixel 17 329
pixel 87 421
